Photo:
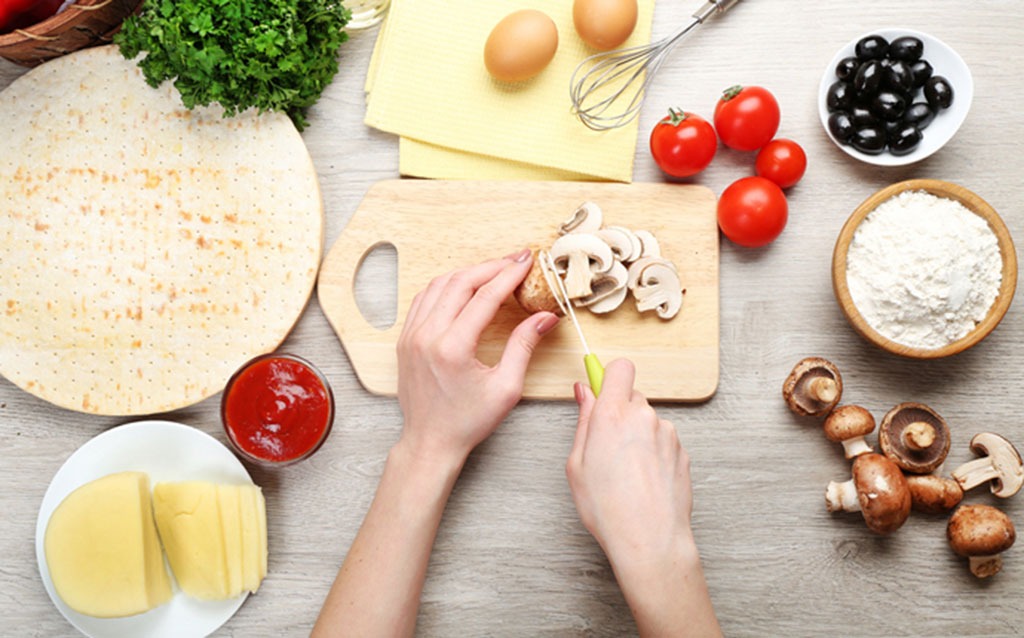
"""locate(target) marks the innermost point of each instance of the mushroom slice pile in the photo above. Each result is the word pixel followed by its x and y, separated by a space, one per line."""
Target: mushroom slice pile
pixel 602 265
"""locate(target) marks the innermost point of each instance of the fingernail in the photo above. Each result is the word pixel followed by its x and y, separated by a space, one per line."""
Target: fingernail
pixel 577 390
pixel 547 323
pixel 520 256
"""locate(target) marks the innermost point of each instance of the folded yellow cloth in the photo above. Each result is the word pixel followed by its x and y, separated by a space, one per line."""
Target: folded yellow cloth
pixel 427 83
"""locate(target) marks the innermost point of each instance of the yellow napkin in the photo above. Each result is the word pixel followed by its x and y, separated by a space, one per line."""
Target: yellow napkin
pixel 427 83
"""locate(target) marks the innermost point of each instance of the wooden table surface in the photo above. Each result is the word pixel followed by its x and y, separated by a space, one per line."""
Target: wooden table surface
pixel 511 558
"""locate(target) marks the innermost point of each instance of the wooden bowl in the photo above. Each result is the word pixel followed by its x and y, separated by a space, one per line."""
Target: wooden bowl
pixel 972 202
pixel 83 24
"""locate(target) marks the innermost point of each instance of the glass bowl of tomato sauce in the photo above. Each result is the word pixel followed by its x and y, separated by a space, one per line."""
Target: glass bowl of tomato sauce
pixel 277 409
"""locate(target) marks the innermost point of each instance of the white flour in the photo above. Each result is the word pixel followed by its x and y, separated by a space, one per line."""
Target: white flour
pixel 923 270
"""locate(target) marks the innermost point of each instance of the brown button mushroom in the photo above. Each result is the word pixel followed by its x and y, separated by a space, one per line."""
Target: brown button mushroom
pixel 813 387
pixel 981 533
pixel 1000 463
pixel 915 437
pixel 933 494
pixel 849 424
pixel 534 294
pixel 878 490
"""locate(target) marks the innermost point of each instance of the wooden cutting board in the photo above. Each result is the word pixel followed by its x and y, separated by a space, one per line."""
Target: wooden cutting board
pixel 437 226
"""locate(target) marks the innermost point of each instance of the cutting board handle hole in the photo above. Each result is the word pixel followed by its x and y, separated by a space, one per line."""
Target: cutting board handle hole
pixel 376 287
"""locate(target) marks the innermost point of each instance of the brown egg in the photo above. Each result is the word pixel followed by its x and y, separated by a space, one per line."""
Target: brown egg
pixel 520 46
pixel 604 24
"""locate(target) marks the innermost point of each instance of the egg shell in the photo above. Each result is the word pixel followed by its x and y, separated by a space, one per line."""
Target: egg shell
pixel 604 24
pixel 520 46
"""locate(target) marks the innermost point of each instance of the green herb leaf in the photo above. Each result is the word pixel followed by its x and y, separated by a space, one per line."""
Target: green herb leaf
pixel 272 55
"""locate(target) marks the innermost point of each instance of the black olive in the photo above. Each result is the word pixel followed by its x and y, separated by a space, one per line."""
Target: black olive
pixel 938 92
pixel 888 105
pixel 840 124
pixel 862 116
pixel 920 114
pixel 904 140
pixel 847 68
pixel 840 96
pixel 899 77
pixel 922 70
pixel 872 47
pixel 869 139
pixel 891 126
pixel 907 48
pixel 868 78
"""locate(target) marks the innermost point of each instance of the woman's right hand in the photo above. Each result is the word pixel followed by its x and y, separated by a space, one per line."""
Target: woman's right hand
pixel 630 480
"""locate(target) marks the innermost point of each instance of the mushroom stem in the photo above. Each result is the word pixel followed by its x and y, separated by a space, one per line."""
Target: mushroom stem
pixel 578 275
pixel 856 446
pixel 842 497
pixel 985 566
pixel 919 435
pixel 823 389
pixel 973 473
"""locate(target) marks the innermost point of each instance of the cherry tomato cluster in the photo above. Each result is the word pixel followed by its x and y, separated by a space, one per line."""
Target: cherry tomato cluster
pixel 18 14
pixel 752 211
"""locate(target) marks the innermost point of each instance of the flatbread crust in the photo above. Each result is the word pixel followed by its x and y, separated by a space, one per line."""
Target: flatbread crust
pixel 146 251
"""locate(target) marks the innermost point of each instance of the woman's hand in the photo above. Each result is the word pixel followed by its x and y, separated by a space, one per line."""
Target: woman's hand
pixel 630 479
pixel 451 401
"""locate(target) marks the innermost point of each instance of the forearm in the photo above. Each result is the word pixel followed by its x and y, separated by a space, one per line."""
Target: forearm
pixel 377 590
pixel 667 593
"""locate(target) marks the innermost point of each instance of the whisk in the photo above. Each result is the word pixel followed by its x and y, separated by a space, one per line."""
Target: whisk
pixel 608 88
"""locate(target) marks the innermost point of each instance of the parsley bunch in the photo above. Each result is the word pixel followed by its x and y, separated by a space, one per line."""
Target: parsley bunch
pixel 274 55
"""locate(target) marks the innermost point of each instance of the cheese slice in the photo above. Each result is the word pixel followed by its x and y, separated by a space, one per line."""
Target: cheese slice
pixel 261 525
pixel 102 549
pixel 230 497
pixel 189 520
pixel 251 558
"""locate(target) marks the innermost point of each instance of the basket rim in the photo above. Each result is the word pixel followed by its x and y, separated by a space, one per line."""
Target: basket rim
pixel 41 31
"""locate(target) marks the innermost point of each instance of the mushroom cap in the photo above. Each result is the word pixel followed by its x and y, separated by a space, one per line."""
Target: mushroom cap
pixel 796 389
pixel 933 494
pixel 847 422
pixel 534 294
pixel 980 530
pixel 620 240
pixel 896 437
pixel 882 492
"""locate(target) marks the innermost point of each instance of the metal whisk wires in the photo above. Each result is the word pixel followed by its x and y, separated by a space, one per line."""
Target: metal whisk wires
pixel 607 89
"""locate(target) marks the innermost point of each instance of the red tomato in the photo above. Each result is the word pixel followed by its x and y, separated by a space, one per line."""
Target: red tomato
pixel 683 143
pixel 782 161
pixel 752 211
pixel 746 118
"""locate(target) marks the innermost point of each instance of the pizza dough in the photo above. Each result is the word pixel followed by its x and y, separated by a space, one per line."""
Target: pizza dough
pixel 146 251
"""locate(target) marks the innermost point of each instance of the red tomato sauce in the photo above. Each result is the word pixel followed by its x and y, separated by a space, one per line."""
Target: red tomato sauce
pixel 278 409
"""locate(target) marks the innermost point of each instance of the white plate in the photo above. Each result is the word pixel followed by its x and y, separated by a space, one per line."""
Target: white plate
pixel 946 62
pixel 165 451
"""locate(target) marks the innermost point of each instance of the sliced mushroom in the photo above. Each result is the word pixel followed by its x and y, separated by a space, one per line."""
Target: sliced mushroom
pixel 1000 463
pixel 658 288
pixel 933 494
pixel 579 256
pixel 981 533
pixel 915 437
pixel 849 424
pixel 618 240
pixel 587 218
pixel 638 266
pixel 609 290
pixel 649 244
pixel 878 490
pixel 813 387
pixel 636 247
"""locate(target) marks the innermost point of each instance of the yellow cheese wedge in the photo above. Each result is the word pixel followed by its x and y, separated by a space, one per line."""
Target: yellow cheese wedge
pixel 215 536
pixel 189 520
pixel 102 549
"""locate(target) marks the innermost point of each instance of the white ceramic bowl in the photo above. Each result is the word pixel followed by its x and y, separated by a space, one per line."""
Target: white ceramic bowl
pixel 945 62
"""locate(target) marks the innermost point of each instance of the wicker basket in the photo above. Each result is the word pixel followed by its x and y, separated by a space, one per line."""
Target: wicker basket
pixel 84 24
